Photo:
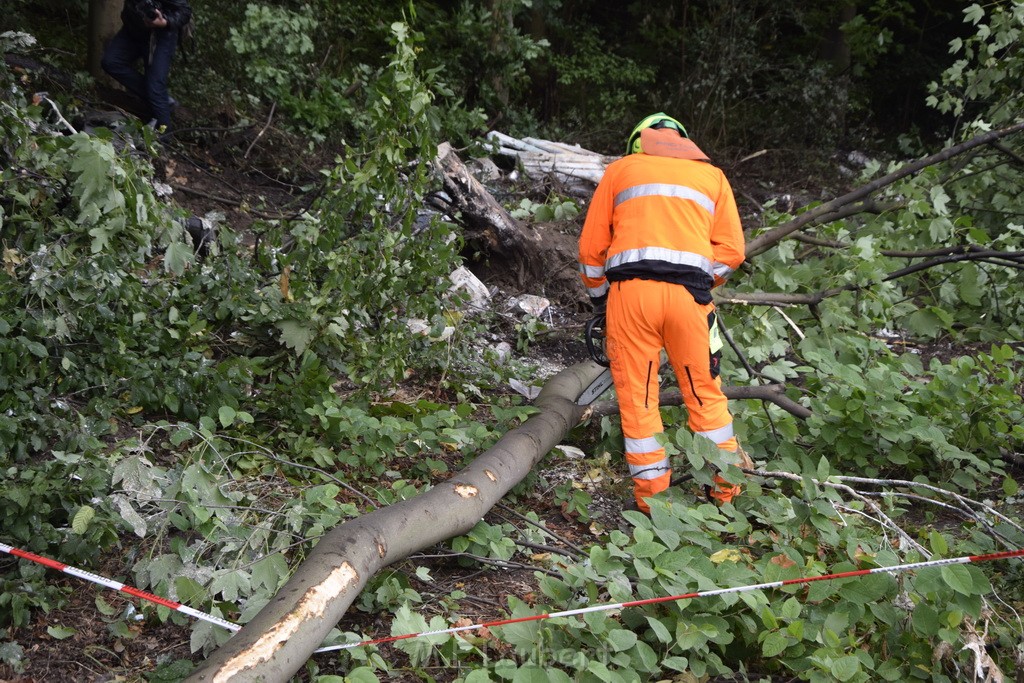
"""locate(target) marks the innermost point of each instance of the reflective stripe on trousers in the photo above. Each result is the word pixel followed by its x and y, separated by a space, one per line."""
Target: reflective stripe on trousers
pixel 645 316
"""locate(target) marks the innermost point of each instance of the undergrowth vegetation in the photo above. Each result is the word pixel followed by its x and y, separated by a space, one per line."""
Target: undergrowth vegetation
pixel 208 418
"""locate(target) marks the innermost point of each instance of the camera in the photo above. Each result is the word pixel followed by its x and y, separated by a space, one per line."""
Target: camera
pixel 148 9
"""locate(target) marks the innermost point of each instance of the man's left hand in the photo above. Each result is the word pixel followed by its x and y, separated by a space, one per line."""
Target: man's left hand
pixel 159 22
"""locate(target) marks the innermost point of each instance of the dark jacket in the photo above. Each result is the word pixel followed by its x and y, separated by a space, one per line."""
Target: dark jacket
pixel 177 13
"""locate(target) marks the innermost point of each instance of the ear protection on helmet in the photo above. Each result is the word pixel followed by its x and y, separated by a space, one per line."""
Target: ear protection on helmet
pixel 659 120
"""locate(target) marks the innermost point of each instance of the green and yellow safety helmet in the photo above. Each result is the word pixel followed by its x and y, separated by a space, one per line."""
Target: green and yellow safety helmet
pixel 659 120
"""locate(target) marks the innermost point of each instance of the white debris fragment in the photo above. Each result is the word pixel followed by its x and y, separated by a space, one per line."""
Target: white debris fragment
pixel 531 304
pixel 571 452
pixel 162 189
pixel 484 169
pixel 503 351
pixel 422 327
pixel 529 392
pixel 462 278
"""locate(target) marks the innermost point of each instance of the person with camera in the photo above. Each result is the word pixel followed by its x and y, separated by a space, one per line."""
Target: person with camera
pixel 149 33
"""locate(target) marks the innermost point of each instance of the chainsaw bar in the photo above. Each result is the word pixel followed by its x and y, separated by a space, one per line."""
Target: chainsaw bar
pixel 604 382
pixel 600 385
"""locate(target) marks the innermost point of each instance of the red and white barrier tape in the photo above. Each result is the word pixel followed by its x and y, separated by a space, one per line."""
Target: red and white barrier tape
pixel 170 604
pixel 689 596
pixel 118 586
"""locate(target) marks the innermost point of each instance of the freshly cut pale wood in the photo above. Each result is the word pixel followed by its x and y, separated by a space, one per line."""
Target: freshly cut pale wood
pixel 580 169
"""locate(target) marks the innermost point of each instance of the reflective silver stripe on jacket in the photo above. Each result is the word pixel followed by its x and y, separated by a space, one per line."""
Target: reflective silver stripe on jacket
pixel 652 471
pixel 673 256
pixel 718 435
pixel 723 271
pixel 666 190
pixel 647 445
pixel 594 271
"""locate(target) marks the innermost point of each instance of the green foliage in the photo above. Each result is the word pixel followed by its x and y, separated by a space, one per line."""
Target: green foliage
pixel 486 540
pixel 273 42
pixel 252 386
pixel 575 501
pixel 555 209
pixel 275 46
pixel 836 630
pixel 367 220
pixel 483 51
pixel 598 84
pixel 109 323
pixel 80 231
pixel 954 420
pixel 982 81
pixel 876 408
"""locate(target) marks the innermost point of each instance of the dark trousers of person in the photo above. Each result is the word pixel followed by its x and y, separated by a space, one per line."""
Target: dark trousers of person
pixel 156 50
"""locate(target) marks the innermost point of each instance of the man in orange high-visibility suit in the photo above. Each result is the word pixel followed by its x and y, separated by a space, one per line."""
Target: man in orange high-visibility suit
pixel 662 230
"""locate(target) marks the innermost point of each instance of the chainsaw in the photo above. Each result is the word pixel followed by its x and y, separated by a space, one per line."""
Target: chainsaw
pixel 594 333
pixel 595 337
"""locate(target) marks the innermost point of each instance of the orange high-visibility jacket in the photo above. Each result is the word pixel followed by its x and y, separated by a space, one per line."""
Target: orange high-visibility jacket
pixel 661 218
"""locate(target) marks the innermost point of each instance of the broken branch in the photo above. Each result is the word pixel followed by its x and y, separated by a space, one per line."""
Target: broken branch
pixel 823 212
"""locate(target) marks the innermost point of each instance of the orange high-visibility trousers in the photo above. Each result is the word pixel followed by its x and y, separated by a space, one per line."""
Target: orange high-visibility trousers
pixel 643 317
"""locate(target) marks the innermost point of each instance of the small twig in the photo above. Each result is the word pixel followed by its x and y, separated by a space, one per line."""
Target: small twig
pixel 230 202
pixel 736 348
pixel 772 393
pixel 547 549
pixel 1008 152
pixel 43 96
pixel 813 298
pixel 956 509
pixel 260 450
pixel 914 484
pixel 851 492
pixel 503 564
pixel 543 528
pixel 790 321
pixel 263 130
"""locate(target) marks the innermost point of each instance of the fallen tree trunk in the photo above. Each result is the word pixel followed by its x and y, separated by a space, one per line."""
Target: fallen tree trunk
pixel 279 640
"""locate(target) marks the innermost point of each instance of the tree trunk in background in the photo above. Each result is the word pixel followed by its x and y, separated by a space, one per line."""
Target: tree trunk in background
pixel 836 50
pixel 104 22
pixel 834 47
pixel 501 12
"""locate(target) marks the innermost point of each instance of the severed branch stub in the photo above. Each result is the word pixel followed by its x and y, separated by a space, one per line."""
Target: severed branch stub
pixel 486 220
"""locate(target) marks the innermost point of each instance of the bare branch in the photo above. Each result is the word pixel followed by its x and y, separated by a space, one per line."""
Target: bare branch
pixel 850 491
pixel 270 117
pixel 950 255
pixel 823 212
pixel 1009 152
pixel 773 393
